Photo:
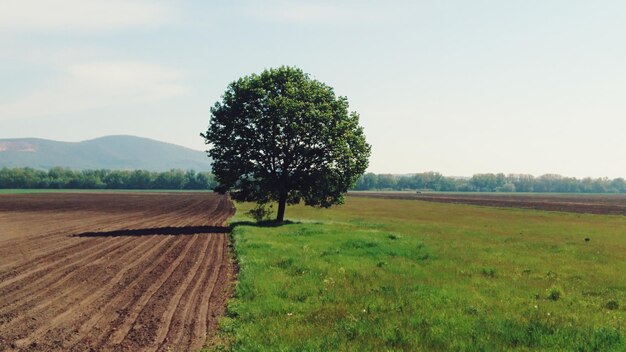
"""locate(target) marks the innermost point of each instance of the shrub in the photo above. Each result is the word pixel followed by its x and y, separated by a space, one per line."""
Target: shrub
pixel 489 272
pixel 611 305
pixel 261 212
pixel 555 294
pixel 392 236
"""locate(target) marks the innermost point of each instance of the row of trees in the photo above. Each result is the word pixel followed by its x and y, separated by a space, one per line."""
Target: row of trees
pixel 57 178
pixel 490 183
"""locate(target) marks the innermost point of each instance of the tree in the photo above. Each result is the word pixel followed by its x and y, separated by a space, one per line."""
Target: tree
pixel 387 181
pixel 140 179
pixel 282 136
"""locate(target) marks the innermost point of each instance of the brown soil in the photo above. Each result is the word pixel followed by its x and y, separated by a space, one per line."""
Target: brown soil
pixel 113 271
pixel 592 204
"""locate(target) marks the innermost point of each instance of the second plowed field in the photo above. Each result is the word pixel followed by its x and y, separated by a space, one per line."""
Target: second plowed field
pixel 613 204
pixel 112 272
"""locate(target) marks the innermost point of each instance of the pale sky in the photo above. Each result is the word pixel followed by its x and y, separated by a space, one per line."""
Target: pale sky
pixel 459 87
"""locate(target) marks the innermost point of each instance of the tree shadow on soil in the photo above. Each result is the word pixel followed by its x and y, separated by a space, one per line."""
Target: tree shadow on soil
pixel 185 230
pixel 266 223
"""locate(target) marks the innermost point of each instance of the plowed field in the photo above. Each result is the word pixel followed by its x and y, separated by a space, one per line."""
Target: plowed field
pixel 112 272
pixel 613 204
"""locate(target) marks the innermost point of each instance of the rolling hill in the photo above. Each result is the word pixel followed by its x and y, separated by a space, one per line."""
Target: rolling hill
pixel 110 152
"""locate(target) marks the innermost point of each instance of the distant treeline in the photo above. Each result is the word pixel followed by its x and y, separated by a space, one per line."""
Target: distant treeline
pixel 57 178
pixel 490 183
pixel 60 178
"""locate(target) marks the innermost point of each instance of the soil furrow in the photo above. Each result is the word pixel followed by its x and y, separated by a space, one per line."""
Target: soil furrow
pixel 98 329
pixel 69 316
pixel 126 328
pixel 71 289
pixel 174 294
pixel 203 310
pixel 222 287
pixel 180 322
pixel 111 271
pixel 190 315
pixel 52 277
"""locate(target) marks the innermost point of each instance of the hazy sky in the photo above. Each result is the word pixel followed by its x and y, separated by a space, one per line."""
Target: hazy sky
pixel 458 87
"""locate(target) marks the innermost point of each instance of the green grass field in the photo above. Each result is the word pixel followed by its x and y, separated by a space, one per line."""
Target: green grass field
pixel 403 275
pixel 26 191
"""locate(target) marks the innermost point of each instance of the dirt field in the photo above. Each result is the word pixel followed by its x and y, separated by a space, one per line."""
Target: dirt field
pixel 112 272
pixel 575 203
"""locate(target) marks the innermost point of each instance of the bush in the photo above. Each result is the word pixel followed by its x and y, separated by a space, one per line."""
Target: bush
pixel 261 212
pixel 554 294
pixel 489 272
pixel 612 305
pixel 392 236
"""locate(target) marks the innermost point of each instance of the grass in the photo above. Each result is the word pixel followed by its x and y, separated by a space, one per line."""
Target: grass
pixel 403 275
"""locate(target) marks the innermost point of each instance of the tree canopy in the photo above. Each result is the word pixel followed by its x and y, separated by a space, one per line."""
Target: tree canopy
pixel 285 137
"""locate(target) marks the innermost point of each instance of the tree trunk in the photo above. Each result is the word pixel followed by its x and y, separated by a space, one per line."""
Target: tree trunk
pixel 282 202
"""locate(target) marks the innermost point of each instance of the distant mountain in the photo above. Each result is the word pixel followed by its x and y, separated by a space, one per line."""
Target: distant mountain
pixel 110 152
